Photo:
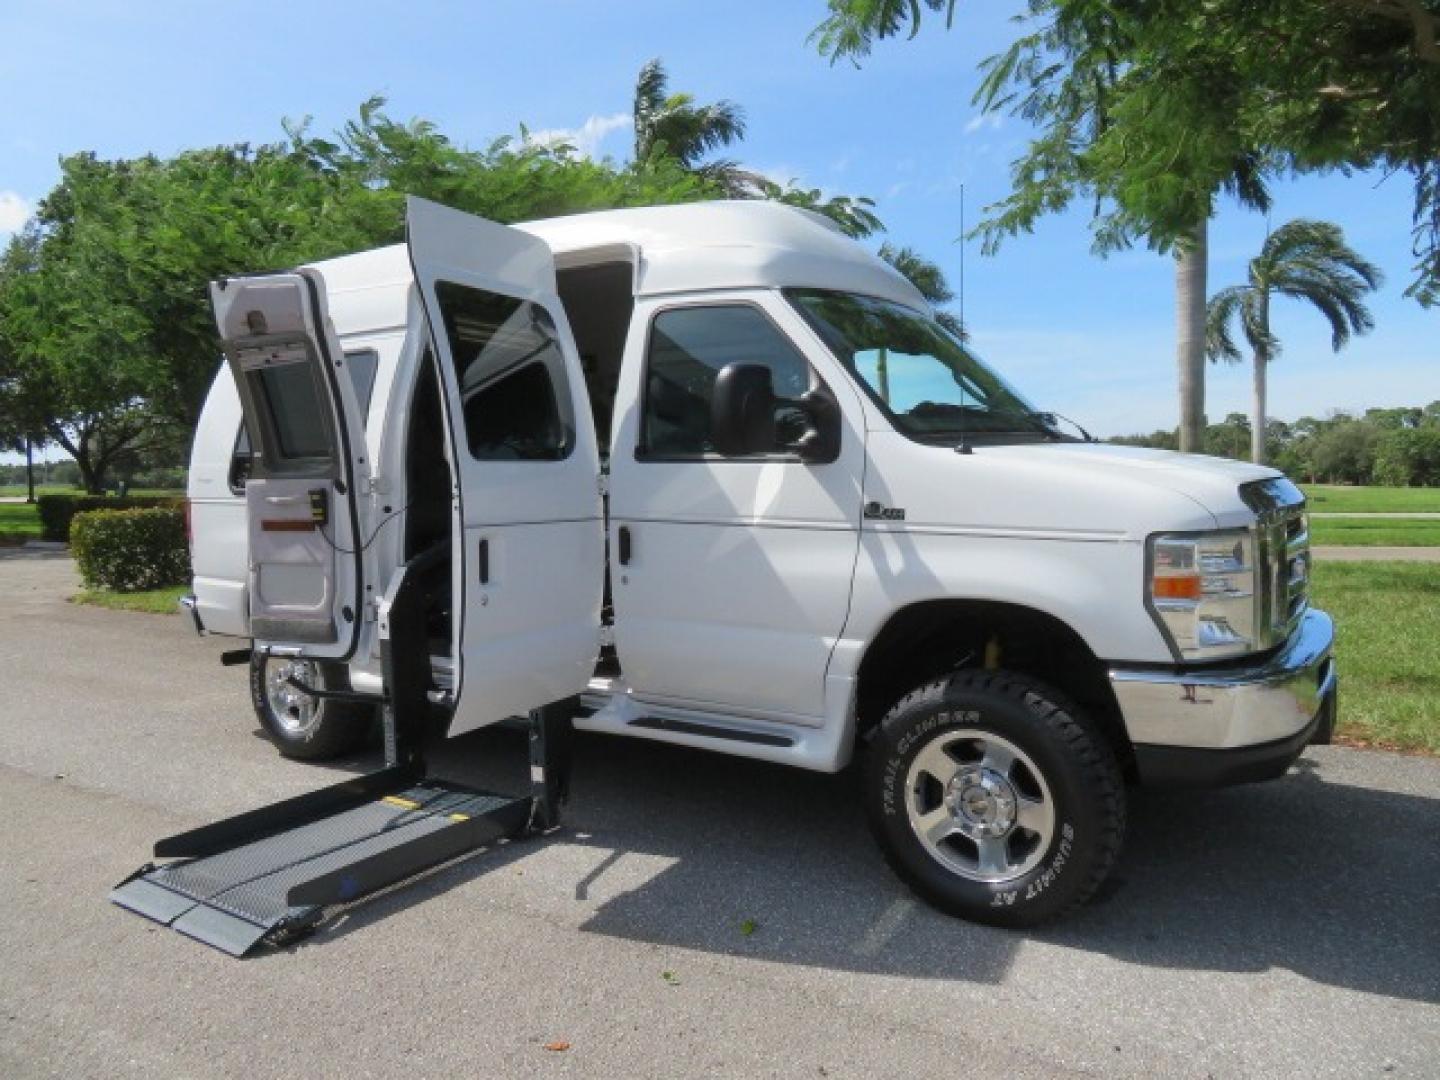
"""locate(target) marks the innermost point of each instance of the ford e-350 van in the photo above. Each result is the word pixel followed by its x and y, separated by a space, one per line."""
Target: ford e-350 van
pixel 714 475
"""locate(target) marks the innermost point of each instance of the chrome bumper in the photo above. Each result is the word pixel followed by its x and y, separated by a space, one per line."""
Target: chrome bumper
pixel 1236 706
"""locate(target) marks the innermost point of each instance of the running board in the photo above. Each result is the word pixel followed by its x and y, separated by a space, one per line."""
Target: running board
pixel 710 731
pixel 270 875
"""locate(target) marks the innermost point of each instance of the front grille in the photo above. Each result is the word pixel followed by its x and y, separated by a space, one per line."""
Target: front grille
pixel 1282 557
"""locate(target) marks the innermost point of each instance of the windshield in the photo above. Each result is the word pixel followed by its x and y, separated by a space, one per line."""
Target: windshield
pixel 930 385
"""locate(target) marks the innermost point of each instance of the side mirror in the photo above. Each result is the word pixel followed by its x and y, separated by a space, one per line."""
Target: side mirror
pixel 742 410
pixel 820 444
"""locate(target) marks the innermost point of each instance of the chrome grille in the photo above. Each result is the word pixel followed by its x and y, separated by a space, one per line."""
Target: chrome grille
pixel 1282 557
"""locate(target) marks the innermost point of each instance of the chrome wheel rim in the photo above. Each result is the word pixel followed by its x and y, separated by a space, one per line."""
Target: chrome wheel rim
pixel 979 805
pixel 293 709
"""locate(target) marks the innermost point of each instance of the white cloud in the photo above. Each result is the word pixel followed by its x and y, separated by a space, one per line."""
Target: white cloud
pixel 15 210
pixel 588 136
pixel 993 121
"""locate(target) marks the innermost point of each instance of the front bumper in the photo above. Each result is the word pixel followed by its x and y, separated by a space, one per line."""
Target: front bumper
pixel 1232 723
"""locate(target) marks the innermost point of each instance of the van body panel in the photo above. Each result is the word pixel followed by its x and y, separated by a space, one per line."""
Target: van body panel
pixel 529 543
pixel 776 540
pixel 219 549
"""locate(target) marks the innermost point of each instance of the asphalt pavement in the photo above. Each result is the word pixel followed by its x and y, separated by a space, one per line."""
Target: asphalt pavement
pixel 1283 929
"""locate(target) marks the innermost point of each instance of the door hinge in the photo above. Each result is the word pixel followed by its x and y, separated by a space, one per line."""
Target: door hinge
pixel 602 484
pixel 607 636
pixel 376 485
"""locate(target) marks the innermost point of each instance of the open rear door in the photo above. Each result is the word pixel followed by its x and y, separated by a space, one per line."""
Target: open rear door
pixel 530 536
pixel 302 498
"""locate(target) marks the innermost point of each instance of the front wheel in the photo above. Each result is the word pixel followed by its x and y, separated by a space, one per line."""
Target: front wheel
pixel 994 798
pixel 300 725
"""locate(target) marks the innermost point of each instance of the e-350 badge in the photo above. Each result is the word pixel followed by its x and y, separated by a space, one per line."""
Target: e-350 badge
pixel 875 512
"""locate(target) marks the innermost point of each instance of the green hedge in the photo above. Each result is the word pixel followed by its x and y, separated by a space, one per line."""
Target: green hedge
pixel 56 511
pixel 131 550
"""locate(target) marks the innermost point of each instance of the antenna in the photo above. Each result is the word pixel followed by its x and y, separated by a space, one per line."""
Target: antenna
pixel 963 328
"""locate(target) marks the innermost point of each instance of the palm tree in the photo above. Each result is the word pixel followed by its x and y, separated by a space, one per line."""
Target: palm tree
pixel 1304 260
pixel 673 125
pixel 929 279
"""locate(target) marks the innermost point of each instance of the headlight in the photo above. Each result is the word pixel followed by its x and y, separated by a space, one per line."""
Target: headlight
pixel 1202 592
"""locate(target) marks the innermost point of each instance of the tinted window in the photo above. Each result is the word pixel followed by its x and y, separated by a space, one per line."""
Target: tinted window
pixel 511 373
pixel 361 364
pixel 688 347
pixel 241 460
pixel 297 410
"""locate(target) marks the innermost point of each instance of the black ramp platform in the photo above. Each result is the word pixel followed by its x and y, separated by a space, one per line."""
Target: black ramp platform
pixel 272 873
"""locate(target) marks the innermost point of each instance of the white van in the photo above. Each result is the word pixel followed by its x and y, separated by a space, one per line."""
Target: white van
pixel 714 475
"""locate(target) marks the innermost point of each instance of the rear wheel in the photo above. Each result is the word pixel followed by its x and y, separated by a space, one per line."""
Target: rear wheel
pixel 995 798
pixel 300 725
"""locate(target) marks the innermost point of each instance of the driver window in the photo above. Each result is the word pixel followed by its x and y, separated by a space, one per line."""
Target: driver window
pixel 688 348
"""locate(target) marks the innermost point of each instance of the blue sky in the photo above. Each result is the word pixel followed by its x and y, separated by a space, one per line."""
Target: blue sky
pixel 1092 338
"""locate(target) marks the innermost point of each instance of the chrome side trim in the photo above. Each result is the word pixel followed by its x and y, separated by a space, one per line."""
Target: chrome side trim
pixel 1233 704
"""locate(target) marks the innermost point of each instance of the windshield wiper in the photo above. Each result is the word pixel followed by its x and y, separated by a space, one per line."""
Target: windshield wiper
pixel 1035 421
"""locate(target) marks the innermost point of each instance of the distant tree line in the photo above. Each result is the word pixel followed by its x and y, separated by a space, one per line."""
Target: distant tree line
pixel 1394 447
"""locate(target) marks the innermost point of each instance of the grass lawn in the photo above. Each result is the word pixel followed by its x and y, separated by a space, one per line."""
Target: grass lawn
pixel 1371 532
pixel 1340 499
pixel 1387 616
pixel 155 601
pixel 18 522
pixel 41 489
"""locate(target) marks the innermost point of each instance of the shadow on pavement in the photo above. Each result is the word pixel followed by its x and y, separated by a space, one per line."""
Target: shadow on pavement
pixel 1335 883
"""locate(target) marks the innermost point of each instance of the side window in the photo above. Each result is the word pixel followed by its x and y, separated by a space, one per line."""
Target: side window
pixel 688 347
pixel 511 372
pixel 361 363
pixel 241 460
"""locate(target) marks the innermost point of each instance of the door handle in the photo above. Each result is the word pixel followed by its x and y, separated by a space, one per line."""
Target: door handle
pixel 484 561
pixel 624 545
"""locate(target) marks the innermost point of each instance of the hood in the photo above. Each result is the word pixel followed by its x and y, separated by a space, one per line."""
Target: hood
pixel 1212 482
pixel 1090 490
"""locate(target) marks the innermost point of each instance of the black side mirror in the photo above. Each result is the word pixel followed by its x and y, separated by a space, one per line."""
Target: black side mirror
pixel 820 444
pixel 742 410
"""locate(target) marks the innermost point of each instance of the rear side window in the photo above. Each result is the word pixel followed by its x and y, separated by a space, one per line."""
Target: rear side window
pixel 510 368
pixel 688 348
pixel 361 363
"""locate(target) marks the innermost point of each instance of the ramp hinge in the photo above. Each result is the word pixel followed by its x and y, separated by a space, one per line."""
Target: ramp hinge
pixel 376 485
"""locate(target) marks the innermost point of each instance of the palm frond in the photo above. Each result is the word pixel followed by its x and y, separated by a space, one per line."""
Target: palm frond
pixel 1219 314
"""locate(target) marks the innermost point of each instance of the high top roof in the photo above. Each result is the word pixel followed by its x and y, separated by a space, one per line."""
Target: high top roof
pixel 684 248
pixel 722 245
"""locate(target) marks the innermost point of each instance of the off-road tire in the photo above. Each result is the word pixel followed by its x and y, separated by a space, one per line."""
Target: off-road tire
pixel 1077 768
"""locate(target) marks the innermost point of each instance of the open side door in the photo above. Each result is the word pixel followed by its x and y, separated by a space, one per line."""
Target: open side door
pixel 529 541
pixel 305 578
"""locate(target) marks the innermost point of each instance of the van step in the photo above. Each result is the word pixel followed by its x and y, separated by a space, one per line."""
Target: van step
pixel 271 874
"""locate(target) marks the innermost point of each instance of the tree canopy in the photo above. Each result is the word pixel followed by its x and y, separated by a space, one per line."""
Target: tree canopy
pixel 106 341
pixel 1151 107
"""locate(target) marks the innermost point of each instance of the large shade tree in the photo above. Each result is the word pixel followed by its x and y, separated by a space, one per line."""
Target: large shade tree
pixel 1153 108
pixel 1302 260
